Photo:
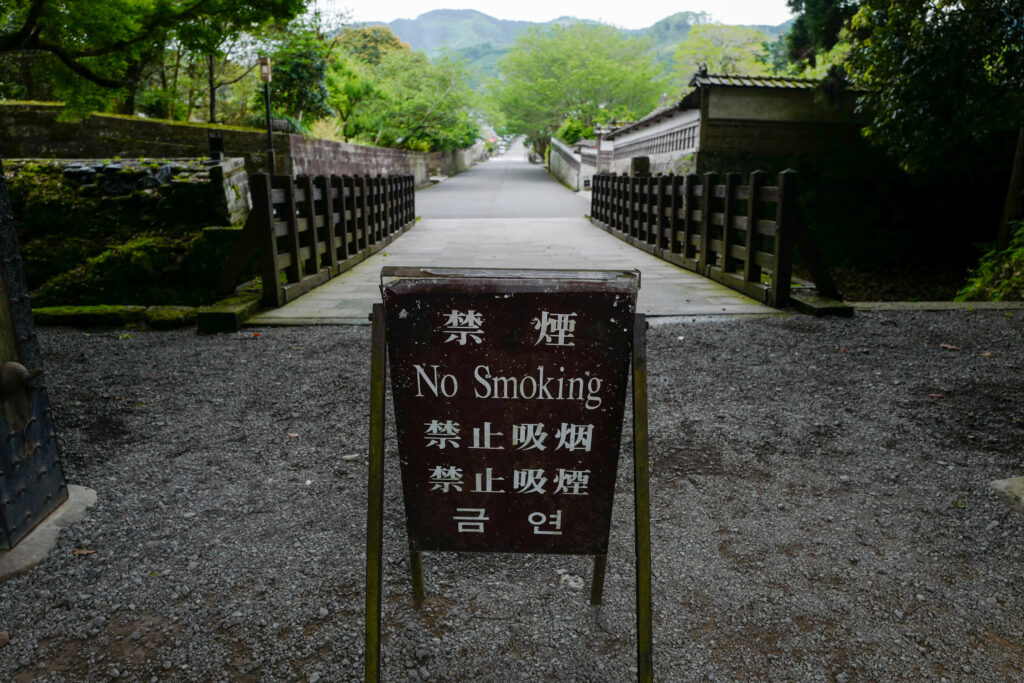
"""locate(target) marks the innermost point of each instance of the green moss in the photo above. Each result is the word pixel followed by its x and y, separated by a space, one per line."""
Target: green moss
pixel 227 315
pixel 1000 274
pixel 144 271
pixel 169 317
pixel 89 316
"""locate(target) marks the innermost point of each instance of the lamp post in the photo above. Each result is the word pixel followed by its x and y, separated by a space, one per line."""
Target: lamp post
pixel 265 77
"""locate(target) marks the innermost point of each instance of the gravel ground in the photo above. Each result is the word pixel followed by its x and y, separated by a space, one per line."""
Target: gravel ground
pixel 820 504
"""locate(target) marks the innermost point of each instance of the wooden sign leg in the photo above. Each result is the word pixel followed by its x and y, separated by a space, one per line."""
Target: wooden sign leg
pixel 416 568
pixel 642 502
pixel 597 582
pixel 375 498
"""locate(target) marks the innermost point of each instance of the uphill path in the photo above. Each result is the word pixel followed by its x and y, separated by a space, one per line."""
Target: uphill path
pixel 509 213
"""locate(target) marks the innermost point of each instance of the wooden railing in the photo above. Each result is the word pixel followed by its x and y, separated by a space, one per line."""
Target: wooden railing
pixel 739 235
pixel 313 228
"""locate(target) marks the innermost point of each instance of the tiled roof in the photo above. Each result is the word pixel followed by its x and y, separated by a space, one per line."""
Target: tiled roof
pixel 691 101
pixel 752 81
pixel 649 119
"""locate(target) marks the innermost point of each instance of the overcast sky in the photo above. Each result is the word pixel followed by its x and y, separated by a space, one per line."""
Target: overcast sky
pixel 625 14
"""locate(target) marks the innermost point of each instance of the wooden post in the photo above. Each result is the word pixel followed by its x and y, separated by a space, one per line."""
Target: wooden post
pixel 676 221
pixel 642 498
pixel 327 192
pixel 663 220
pixel 311 265
pixel 293 272
pixel 597 579
pixel 359 210
pixel 340 205
pixel 390 215
pixel 785 233
pixel 375 496
pixel 751 269
pixel 416 569
pixel 263 208
pixel 351 229
pixel 732 181
pixel 707 202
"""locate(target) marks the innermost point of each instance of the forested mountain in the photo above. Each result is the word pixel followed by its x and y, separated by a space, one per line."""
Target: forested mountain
pixel 482 39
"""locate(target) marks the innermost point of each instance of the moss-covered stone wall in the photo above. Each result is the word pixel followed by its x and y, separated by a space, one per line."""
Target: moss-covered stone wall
pixel 31 130
pixel 143 232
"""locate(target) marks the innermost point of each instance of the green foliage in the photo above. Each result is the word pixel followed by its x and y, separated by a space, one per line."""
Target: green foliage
pixel 572 131
pixel 817 28
pixel 724 49
pixel 938 74
pixel 370 44
pixel 1000 274
pixel 300 66
pixel 575 71
pixel 98 54
pixel 416 105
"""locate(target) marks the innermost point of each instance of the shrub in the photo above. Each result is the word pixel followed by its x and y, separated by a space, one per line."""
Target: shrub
pixel 1000 273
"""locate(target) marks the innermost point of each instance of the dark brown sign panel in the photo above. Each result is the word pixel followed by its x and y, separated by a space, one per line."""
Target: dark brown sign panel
pixel 508 391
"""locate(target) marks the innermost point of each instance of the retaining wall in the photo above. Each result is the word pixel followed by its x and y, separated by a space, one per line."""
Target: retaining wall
pixel 564 164
pixel 31 130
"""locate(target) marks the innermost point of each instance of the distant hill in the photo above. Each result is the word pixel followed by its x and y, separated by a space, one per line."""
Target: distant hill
pixel 483 40
pixel 456 29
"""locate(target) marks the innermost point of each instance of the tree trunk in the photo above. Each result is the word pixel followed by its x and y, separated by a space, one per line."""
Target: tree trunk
pixel 1013 209
pixel 211 81
pixel 25 65
pixel 127 105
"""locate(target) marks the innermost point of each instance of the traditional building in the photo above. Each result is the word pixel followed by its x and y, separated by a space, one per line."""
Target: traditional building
pixel 739 123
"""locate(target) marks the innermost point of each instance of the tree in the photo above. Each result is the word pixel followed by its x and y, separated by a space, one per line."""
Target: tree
pixel 108 45
pixel 817 28
pixel 418 105
pixel 577 72
pixel 936 74
pixel 724 49
pixel 370 44
pixel 301 63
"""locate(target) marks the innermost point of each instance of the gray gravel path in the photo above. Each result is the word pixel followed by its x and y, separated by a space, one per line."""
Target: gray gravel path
pixel 820 512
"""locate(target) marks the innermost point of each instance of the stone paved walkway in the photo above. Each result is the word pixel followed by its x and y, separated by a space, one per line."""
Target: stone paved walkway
pixel 509 214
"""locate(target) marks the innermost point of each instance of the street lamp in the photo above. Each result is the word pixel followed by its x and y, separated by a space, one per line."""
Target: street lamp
pixel 265 77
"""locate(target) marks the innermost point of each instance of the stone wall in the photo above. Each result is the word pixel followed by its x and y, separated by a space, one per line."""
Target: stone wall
pixel 33 130
pixel 322 157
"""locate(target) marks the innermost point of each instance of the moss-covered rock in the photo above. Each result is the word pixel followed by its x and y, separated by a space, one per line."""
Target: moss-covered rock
pixel 227 315
pixel 89 316
pixel 85 244
pixel 169 317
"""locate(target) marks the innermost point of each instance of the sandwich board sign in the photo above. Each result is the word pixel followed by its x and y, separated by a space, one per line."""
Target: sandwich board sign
pixel 509 389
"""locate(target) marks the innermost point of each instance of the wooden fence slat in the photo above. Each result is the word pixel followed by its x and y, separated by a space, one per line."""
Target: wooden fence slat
pixel 323 184
pixel 677 221
pixel 262 200
pixel 662 223
pixel 732 180
pixel 707 197
pixel 361 210
pixel 294 272
pixel 308 237
pixel 751 270
pixel 785 234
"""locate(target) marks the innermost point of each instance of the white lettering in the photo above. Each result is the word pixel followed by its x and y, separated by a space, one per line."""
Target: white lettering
pixel 447 384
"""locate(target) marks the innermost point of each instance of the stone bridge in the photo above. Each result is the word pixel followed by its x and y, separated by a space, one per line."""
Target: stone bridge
pixel 508 213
